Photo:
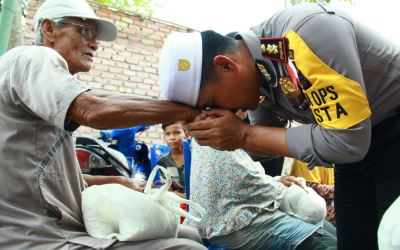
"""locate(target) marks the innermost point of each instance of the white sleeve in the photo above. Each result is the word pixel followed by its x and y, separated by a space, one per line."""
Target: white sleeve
pixel 41 84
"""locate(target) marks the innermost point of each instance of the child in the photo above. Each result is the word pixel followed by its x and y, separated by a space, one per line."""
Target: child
pixel 173 161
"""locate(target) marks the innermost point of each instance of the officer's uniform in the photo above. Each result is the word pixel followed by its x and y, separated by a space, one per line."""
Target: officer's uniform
pixel 325 70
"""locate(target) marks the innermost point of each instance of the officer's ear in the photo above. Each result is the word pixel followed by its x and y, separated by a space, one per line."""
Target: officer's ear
pixel 225 63
pixel 49 30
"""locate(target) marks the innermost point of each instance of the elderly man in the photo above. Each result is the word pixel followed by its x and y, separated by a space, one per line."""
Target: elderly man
pixel 41 104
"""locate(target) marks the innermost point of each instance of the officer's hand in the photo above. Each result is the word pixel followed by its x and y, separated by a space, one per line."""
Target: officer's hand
pixel 217 128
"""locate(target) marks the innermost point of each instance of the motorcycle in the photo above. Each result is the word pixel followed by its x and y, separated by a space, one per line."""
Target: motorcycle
pixel 118 152
pixel 115 152
pixel 136 152
pixel 96 158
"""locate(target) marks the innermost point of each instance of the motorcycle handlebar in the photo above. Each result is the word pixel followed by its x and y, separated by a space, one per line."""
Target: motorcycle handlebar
pixel 116 134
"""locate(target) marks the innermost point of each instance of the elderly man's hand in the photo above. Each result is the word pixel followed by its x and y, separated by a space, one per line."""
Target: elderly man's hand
pixel 217 128
pixel 290 180
pixel 127 182
pixel 132 183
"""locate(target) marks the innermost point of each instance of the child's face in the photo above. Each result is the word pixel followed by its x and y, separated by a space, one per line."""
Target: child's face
pixel 173 134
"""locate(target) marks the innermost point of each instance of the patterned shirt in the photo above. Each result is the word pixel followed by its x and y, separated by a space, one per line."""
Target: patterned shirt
pixel 232 188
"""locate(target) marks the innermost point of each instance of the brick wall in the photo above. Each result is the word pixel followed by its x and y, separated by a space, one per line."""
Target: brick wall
pixel 127 65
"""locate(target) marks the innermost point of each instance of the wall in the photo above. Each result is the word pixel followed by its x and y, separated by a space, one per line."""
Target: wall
pixel 127 65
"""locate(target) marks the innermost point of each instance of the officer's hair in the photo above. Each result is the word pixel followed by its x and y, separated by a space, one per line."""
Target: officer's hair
pixel 213 44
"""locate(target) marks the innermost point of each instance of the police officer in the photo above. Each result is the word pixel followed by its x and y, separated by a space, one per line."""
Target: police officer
pixel 309 64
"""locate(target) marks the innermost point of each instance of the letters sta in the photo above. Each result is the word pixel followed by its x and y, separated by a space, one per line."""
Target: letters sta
pixel 325 104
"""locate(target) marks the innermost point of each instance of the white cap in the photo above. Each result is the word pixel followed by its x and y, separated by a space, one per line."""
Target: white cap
pixel 180 67
pixel 52 9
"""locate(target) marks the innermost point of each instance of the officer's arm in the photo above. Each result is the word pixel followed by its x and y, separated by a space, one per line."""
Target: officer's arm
pixel 264 117
pixel 319 146
pixel 310 143
pixel 333 40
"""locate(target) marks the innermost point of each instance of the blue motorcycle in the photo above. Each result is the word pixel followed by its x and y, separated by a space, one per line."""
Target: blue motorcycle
pixel 136 152
pixel 116 152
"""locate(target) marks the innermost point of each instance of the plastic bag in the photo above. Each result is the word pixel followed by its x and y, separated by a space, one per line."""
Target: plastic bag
pixel 304 203
pixel 389 228
pixel 113 210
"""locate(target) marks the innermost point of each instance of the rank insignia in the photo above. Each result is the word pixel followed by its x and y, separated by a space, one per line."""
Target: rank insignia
pixel 288 87
pixel 275 49
pixel 291 54
pixel 264 71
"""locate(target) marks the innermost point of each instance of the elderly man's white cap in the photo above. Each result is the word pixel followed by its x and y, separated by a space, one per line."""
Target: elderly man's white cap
pixel 52 9
pixel 180 67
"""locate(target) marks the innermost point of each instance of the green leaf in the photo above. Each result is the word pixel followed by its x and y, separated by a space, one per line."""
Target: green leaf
pixel 141 7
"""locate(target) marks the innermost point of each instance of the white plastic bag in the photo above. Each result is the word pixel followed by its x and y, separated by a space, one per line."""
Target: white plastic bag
pixel 113 210
pixel 304 203
pixel 389 228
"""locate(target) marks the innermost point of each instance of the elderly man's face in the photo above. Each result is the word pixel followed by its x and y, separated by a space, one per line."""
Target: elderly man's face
pixel 76 42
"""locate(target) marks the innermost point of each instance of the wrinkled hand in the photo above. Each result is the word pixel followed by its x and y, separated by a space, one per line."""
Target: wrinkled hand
pixel 290 180
pixel 132 184
pixel 217 128
pixel 193 114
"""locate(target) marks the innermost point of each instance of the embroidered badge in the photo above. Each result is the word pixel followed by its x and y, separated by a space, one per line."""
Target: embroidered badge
pixel 288 87
pixel 275 49
pixel 264 71
pixel 183 65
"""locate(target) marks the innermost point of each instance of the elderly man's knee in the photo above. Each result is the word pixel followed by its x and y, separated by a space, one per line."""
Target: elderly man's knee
pixel 188 232
pixel 187 244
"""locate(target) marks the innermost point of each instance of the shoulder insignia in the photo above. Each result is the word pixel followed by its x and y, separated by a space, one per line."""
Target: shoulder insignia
pixel 275 49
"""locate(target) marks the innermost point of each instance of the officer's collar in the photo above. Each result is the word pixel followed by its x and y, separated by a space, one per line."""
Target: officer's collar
pixel 253 44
